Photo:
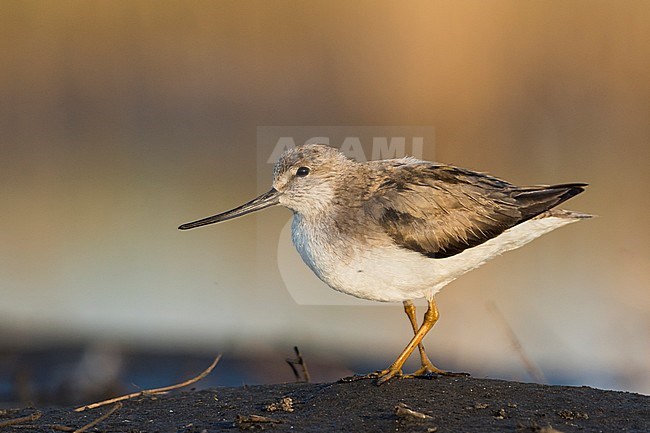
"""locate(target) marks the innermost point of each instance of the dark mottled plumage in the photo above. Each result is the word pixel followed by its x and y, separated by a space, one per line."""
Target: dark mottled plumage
pixel 440 210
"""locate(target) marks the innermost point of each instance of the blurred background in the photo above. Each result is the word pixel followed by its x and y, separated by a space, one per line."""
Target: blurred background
pixel 119 120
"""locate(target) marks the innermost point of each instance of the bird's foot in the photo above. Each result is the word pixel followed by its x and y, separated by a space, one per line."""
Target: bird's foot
pixel 355 378
pixel 380 376
pixel 384 376
pixel 429 370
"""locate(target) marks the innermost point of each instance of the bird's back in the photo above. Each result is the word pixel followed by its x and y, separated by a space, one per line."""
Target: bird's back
pixel 440 210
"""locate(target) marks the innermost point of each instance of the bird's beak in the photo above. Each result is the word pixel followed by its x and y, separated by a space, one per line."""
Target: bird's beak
pixel 270 198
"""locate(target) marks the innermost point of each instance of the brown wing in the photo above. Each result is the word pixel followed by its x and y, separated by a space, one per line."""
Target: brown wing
pixel 441 210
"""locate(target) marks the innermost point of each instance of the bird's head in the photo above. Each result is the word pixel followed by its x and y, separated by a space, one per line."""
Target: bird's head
pixel 305 179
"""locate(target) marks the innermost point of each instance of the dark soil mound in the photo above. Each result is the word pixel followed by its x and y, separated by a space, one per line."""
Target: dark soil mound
pixel 440 404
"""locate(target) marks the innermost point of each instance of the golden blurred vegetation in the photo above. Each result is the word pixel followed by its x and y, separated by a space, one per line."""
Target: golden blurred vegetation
pixel 121 119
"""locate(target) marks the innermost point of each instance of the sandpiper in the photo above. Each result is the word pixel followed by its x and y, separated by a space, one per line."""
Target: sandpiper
pixel 401 229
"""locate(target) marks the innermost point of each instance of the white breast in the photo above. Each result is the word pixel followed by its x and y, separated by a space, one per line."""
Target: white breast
pixel 391 273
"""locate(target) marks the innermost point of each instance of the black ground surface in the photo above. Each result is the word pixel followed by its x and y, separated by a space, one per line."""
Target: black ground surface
pixel 445 404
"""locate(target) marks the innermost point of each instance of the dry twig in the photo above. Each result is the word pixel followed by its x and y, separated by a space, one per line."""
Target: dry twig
pixel 405 412
pixel 21 420
pixel 153 391
pixel 255 419
pixel 304 377
pixel 100 419
pixel 533 371
pixel 56 427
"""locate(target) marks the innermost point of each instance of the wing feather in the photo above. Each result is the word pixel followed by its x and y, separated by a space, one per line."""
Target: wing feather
pixel 440 210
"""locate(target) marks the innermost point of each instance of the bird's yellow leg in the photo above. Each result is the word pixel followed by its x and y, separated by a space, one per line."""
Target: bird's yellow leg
pixel 427 366
pixel 430 318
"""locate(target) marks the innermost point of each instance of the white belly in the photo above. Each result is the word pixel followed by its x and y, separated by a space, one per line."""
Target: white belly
pixel 390 273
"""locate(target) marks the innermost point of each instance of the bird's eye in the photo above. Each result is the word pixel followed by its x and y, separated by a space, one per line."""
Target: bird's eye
pixel 302 171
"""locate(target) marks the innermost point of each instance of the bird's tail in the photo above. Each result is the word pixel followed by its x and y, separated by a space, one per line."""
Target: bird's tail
pixel 535 200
